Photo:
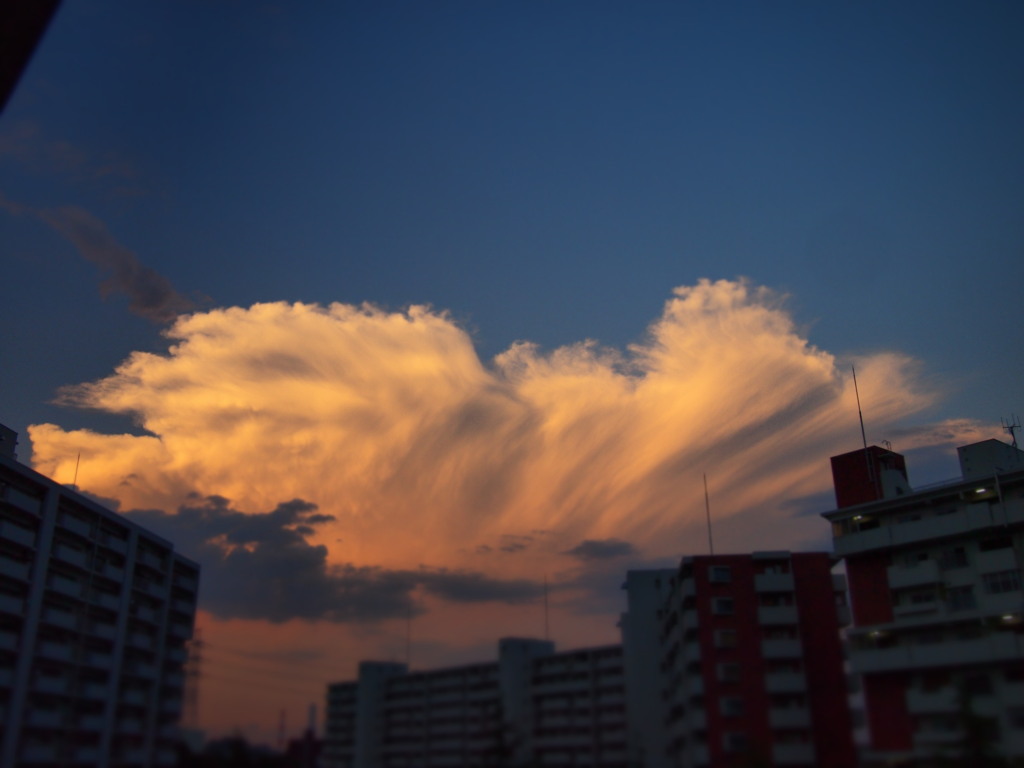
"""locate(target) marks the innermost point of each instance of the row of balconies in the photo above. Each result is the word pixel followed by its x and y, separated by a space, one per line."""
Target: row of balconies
pixel 992 649
pixel 967 520
pixel 11 531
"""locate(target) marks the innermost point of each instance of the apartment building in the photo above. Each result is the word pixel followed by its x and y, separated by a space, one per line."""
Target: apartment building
pixel 752 662
pixel 935 588
pixel 95 613
pixel 532 704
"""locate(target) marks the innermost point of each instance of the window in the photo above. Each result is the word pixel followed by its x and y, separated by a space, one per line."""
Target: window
pixel 725 638
pixel 731 706
pixel 1003 581
pixel 960 598
pixel 955 557
pixel 720 574
pixel 729 673
pixel 921 596
pixel 722 606
pixel 734 741
pixel 978 685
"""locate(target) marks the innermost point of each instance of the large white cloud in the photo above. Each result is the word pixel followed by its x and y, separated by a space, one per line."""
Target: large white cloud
pixel 426 456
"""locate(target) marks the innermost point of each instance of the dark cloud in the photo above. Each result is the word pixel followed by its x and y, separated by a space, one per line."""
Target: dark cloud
pixel 601 549
pixel 150 294
pixel 512 543
pixel 260 566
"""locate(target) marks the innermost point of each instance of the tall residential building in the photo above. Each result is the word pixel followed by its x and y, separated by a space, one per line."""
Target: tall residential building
pixel 95 613
pixel 935 587
pixel 752 664
pixel 532 704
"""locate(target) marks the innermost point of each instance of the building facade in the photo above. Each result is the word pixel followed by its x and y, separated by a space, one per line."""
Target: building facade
pixel 935 587
pixel 95 614
pixel 752 662
pixel 531 705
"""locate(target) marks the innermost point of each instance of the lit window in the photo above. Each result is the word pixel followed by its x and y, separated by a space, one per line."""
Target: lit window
pixel 725 638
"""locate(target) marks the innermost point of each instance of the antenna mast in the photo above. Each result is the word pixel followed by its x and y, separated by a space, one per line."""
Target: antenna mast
pixel 863 435
pixel 547 623
pixel 1011 425
pixel 707 512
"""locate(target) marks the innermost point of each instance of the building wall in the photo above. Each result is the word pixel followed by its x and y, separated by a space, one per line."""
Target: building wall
pixel 935 580
pixel 95 614
pixel 753 666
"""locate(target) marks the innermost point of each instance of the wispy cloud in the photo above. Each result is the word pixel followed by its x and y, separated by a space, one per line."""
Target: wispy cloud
pixel 601 549
pixel 423 453
pixel 150 294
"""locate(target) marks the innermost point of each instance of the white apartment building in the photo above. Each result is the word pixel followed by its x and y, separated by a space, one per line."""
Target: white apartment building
pixel 935 577
pixel 95 613
pixel 532 704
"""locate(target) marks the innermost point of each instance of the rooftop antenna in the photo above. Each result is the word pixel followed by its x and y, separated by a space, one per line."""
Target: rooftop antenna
pixel 863 434
pixel 547 622
pixel 408 635
pixel 707 512
pixel 1011 425
pixel 281 729
pixel 77 461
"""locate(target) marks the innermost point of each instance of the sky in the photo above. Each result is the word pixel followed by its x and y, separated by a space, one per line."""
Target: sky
pixel 389 313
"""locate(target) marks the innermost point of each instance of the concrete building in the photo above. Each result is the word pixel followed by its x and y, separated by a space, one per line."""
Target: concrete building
pixel 532 704
pixel 95 613
pixel 646 593
pixel 752 666
pixel 935 588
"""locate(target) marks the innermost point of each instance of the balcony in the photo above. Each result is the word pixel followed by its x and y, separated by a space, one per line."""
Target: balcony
pixel 969 518
pixel 22 500
pixel 101 661
pixel 996 560
pixel 789 717
pixel 781 648
pixel 102 629
pixel 785 682
pixel 92 723
pixel 113 542
pixel 773 582
pixel 75 525
pixel 129 726
pixel 54 685
pixel 6 677
pixel 66 586
pixel 12 604
pixel 59 618
pixel 8 641
pixel 14 569
pixel 107 600
pixel 44 718
pixel 70 555
pixel 942 700
pixel 39 754
pixel 777 614
pixel 919 575
pixel 17 534
pixel 793 754
pixel 183 632
pixel 54 651
pixel 1000 647
pixel 94 691
pixel 133 696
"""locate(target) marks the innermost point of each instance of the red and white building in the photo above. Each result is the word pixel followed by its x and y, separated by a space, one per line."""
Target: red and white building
pixel 935 586
pixel 752 662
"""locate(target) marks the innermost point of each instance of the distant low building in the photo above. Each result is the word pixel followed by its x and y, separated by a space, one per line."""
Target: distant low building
pixel 95 613
pixel 935 579
pixel 532 705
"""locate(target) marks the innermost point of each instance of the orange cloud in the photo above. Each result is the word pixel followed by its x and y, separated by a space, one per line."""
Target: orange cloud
pixel 425 455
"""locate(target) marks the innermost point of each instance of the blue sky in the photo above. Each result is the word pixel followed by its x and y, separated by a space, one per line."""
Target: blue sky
pixel 546 172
